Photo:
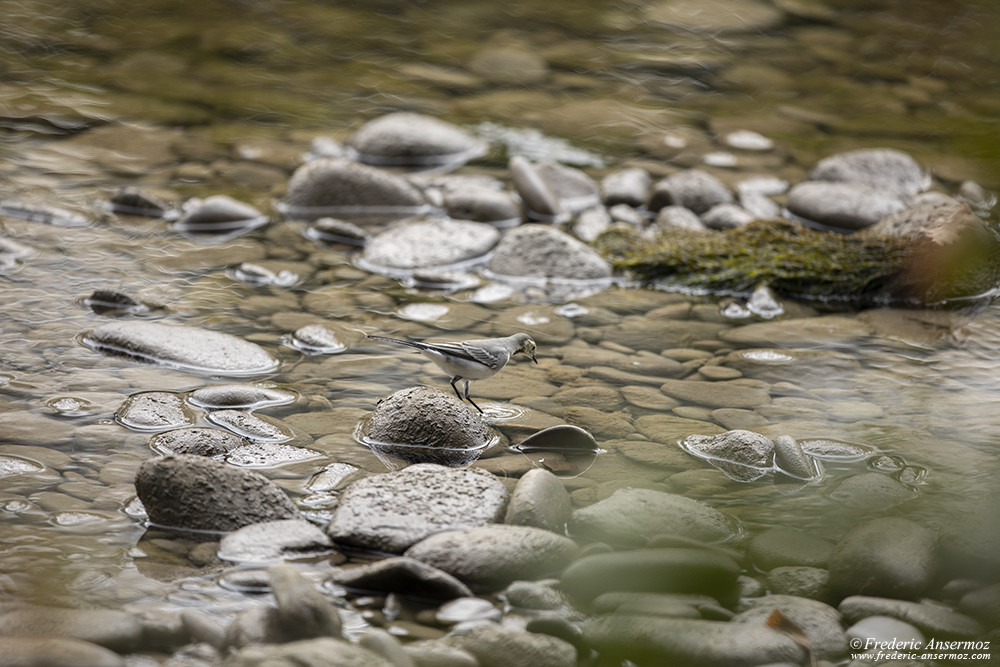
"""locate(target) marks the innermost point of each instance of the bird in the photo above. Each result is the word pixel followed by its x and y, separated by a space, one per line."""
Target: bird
pixel 469 360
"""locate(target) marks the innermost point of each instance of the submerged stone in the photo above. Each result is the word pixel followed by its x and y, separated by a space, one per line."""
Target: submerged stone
pixel 414 140
pixel 330 187
pixel 187 348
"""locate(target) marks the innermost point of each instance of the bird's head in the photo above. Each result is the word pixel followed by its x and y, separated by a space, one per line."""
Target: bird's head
pixel 525 344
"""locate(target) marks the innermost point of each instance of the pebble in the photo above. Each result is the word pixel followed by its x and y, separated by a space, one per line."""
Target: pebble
pixel 339 188
pixel 433 653
pixel 498 646
pixel 405 139
pixel 467 609
pixel 219 214
pixel 245 396
pixel 681 641
pixel 693 189
pixel 185 491
pixel 664 570
pixel 154 411
pixel 492 556
pixel 185 347
pixel 303 612
pixel 483 204
pixel 319 651
pixel 933 619
pixel 846 207
pixel 544 252
pixel 887 557
pixel 250 426
pixel 428 242
pixel 393 511
pixel 820 621
pixel 110 628
pixel 627 186
pixel 403 576
pixel 270 541
pixel 382 643
pixel 539 499
pixel 726 216
pixel 196 440
pixel 591 223
pixel 881 168
pixel 632 516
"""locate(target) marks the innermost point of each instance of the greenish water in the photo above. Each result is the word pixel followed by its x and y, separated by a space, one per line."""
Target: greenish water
pixel 196 98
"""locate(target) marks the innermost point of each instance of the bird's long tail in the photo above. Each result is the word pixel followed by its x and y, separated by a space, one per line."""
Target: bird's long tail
pixel 400 341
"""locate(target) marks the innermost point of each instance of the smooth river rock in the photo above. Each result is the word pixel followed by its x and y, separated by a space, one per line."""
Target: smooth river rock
pixel 888 557
pixel 429 242
pixel 497 646
pixel 187 491
pixel 413 140
pixel 820 621
pixel 187 348
pixel 544 252
pixel 492 556
pixel 883 168
pixel 402 576
pixel 394 511
pixel 633 516
pixel 56 652
pixel 539 499
pixel 321 187
pixel 111 628
pixel 271 541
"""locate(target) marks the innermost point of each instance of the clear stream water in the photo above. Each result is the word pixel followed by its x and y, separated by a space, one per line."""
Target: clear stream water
pixel 195 98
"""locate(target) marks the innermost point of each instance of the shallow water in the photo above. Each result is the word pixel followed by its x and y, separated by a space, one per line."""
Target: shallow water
pixel 207 98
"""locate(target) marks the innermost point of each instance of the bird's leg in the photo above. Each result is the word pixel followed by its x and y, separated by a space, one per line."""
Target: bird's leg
pixel 469 398
pixel 453 381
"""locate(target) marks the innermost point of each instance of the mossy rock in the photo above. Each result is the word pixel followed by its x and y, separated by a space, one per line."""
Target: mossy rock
pixel 960 259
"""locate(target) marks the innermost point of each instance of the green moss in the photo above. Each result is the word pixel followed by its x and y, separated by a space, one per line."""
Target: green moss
pixel 799 262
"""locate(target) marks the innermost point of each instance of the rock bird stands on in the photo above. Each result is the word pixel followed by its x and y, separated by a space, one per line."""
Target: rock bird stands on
pixel 469 360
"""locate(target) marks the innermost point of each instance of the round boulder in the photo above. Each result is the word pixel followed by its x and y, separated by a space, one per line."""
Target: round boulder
pixel 425 417
pixel 543 252
pixel 187 491
pixel 428 242
pixel 322 187
pixel 414 140
pixel 883 168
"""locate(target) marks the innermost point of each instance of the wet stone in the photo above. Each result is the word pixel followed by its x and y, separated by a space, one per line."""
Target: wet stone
pixel 664 570
pixel 719 394
pixel 463 610
pixel 628 186
pixel 884 629
pixel 196 440
pixel 394 511
pixel 726 216
pixel 886 557
pixel 543 252
pixel 782 546
pixel 110 628
pixel 539 499
pixel 240 396
pixel 57 652
pixel 846 207
pixel 268 455
pixel 935 620
pixel 184 491
pixel 804 582
pixel 429 242
pixel 678 217
pixel 509 65
pixel 249 426
pixel 274 540
pixel 693 189
pixel 632 516
pixel 332 231
pixel 492 556
pixel 187 348
pixel 319 651
pixel 882 168
pixel 414 140
pixel 154 411
pixel 715 16
pixel 871 491
pixel 331 187
pixel 219 214
pixel 498 646
pixel 820 621
pixel 318 339
pixel 303 611
pixel 482 204
pixel 403 576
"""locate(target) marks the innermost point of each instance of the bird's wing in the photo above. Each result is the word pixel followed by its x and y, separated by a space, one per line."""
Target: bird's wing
pixel 473 350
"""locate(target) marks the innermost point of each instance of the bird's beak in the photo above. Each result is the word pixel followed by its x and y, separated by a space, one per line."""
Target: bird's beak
pixel 533 357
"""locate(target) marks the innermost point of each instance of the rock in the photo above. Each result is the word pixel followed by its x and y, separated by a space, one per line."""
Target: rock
pixel 303 612
pixel 666 570
pixel 884 629
pixel 498 646
pixel 436 653
pixel 334 231
pixel 101 301
pixel 313 652
pixel 803 582
pixel 154 411
pixel 482 204
pixel 273 541
pixel 719 394
pixel 693 189
pixel 394 511
pixel 782 546
pixel 633 516
pixel 112 629
pixel 539 499
pixel 790 459
pixel 239 396
pixel 382 643
pixel 464 610
pixel 250 426
pixel 935 620
pixel 538 251
pixel 715 16
pixel 887 557
pixel 185 491
pixel 726 216
pixel 881 168
pixel 871 491
pixel 414 140
pixel 429 242
pixel 627 186
pixel 538 197
pixel 492 556
pixel 187 348
pixel 983 604
pixel 551 189
pixel 197 440
pixel 403 576
pixel 219 214
pixel 534 595
pixel 742 455
pixel 317 339
pixel 820 621
pixel 678 217
pixel 331 186
pixel 656 640
pixel 56 652
pixel 843 206
pixel 509 65
pixel 133 201
pixel 424 425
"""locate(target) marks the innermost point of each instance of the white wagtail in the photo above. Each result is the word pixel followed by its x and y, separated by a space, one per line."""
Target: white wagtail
pixel 469 360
